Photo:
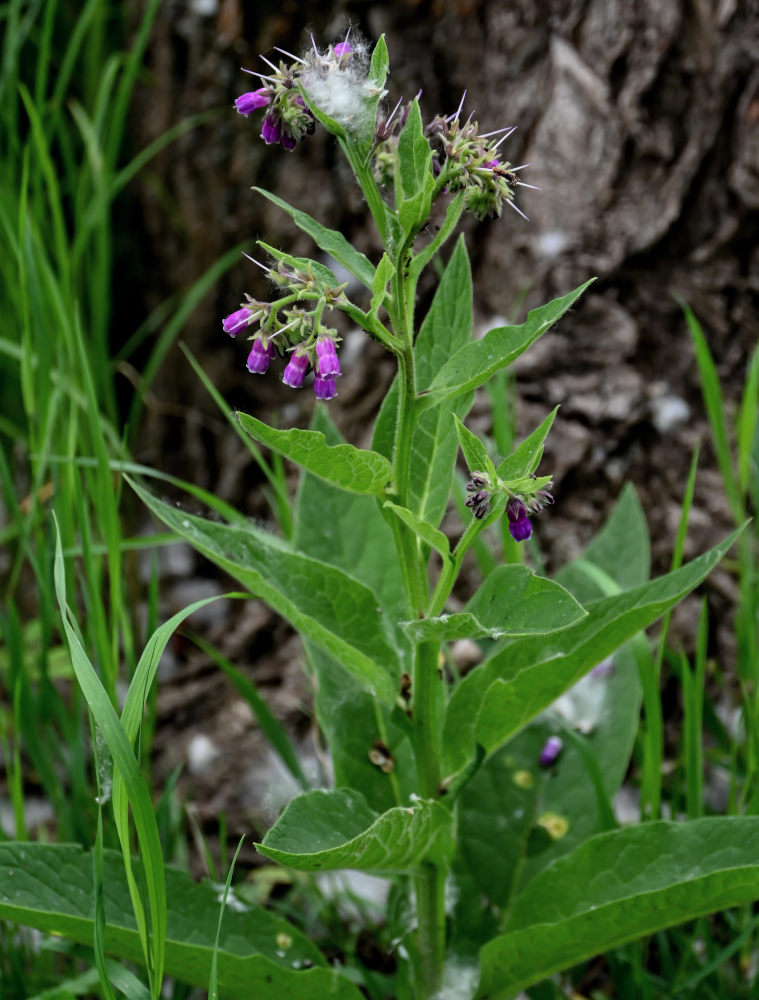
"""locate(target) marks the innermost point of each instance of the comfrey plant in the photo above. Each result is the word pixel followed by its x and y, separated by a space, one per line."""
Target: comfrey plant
pixel 483 794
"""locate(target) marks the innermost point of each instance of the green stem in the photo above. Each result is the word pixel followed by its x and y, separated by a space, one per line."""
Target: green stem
pixel 430 907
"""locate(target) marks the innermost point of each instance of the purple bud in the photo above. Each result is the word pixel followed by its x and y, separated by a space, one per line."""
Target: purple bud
pixel 491 164
pixel 288 142
pixel 324 388
pixel 246 104
pixel 478 481
pixel 236 321
pixel 519 523
pixel 342 49
pixel 550 752
pixel 327 363
pixel 270 130
pixel 295 371
pixel 259 357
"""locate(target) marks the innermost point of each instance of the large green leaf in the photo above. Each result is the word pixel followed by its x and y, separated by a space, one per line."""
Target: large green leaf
pixel 446 328
pixel 49 887
pixel 351 719
pixel 356 470
pixel 619 886
pixel 474 364
pixel 502 695
pixel 512 601
pixel 621 551
pixel 329 240
pixel 325 830
pixel 323 602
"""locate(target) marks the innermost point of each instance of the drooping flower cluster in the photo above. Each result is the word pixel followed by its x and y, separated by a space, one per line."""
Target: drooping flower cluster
pixel 526 495
pixel 286 327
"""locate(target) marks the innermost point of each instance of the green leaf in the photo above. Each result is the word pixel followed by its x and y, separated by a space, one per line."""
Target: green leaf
pixel 714 402
pixel 327 605
pixel 512 601
pixel 526 458
pixel 501 696
pixel 380 63
pixel 382 276
pixel 621 550
pixel 356 470
pixel 352 720
pixel 414 154
pixel 378 68
pixel 325 830
pixel 49 887
pixel 473 365
pixel 451 220
pixel 131 783
pixel 497 811
pixel 473 450
pixel 323 276
pixel 329 240
pixel 446 328
pixel 431 536
pixel 617 887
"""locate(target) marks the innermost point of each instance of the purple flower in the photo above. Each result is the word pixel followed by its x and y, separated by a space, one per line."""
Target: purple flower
pixel 342 49
pixel 236 321
pixel 491 164
pixel 324 388
pixel 327 363
pixel 519 523
pixel 246 104
pixel 260 356
pixel 288 142
pixel 270 130
pixel 295 371
pixel 550 752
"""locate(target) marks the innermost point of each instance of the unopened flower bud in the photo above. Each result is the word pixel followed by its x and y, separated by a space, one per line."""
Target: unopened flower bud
pixel 342 49
pixel 295 371
pixel 478 481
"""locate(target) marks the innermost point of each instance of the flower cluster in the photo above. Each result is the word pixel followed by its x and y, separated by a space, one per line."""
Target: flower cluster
pixel 288 328
pixel 469 162
pixel 335 81
pixel 525 496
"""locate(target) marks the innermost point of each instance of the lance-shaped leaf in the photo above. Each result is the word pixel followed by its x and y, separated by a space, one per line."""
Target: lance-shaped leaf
pixel 473 450
pixel 329 240
pixel 414 153
pixel 501 696
pixel 327 605
pixel 526 458
pixel 325 830
pixel 429 535
pixel 511 602
pixel 476 362
pixel 49 887
pixel 617 887
pixel 351 719
pixel 446 327
pixel 356 470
